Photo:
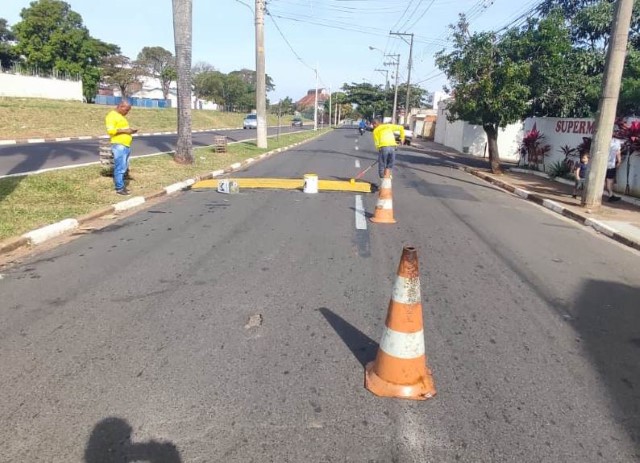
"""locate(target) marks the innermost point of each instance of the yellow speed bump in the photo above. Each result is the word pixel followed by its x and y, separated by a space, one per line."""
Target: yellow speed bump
pixel 289 184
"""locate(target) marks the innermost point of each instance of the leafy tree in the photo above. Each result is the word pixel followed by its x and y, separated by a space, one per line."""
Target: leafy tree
pixel 119 71
pixel 8 55
pixel 182 32
pixel 249 77
pixel 51 36
pixel 285 106
pixel 490 88
pixel 589 22
pixel 558 87
pixel 160 64
pixel 369 99
pixel 209 85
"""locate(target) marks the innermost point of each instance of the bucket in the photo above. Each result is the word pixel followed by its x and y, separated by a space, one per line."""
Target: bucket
pixel 228 186
pixel 310 183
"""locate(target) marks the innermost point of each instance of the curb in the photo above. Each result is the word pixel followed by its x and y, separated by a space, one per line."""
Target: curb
pixel 585 220
pixel 102 137
pixel 565 181
pixel 43 234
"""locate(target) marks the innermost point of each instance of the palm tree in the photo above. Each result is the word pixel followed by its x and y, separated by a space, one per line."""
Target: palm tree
pixel 182 34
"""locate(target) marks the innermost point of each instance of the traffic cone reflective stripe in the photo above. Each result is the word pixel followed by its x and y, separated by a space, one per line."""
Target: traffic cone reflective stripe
pixel 384 206
pixel 400 368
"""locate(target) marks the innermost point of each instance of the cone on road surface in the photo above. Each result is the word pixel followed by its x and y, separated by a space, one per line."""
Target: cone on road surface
pixel 384 206
pixel 400 368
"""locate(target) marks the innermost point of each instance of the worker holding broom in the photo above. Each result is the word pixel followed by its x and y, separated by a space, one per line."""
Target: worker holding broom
pixel 385 140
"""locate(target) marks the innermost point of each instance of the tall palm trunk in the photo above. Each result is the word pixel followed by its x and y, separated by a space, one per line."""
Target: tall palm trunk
pixel 182 33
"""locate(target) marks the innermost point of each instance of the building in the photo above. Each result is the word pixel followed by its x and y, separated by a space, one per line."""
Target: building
pixel 309 99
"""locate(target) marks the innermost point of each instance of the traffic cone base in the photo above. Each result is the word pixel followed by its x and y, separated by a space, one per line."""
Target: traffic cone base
pixel 422 389
pixel 384 207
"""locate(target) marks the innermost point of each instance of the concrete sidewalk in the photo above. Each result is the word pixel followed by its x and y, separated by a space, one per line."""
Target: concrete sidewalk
pixel 620 220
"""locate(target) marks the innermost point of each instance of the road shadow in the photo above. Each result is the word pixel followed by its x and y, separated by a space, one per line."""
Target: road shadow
pixel 606 314
pixel 362 346
pixel 110 442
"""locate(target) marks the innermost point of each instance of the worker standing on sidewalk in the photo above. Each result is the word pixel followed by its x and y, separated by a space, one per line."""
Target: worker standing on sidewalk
pixel 121 137
pixel 385 140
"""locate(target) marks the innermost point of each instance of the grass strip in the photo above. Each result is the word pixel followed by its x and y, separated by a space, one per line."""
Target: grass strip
pixel 32 201
pixel 38 118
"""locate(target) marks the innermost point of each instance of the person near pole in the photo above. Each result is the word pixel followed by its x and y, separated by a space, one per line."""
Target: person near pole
pixel 385 141
pixel 613 162
pixel 121 137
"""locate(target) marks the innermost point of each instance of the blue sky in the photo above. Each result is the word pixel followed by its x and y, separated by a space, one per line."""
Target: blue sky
pixel 333 35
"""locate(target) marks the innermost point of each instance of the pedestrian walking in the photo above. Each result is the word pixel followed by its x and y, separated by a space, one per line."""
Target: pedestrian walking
pixel 121 137
pixel 581 174
pixel 384 139
pixel 615 158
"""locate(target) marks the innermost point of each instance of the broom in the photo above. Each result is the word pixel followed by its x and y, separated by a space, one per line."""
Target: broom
pixel 359 176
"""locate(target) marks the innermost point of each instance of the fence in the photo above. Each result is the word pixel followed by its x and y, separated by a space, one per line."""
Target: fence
pixel 139 102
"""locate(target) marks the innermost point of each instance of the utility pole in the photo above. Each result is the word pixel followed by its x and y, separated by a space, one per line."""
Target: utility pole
pixel 261 90
pixel 395 96
pixel 386 79
pixel 329 106
pixel 614 65
pixel 315 105
pixel 409 66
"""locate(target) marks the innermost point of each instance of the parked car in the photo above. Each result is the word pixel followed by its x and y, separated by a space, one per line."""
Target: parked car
pixel 408 136
pixel 296 122
pixel 250 122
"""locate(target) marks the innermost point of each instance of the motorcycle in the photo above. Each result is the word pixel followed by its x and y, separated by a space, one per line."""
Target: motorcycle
pixel 361 130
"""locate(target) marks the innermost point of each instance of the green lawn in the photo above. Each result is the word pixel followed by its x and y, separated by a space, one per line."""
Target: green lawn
pixel 33 201
pixel 39 118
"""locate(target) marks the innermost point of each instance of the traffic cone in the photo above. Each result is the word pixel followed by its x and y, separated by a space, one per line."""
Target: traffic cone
pixel 384 207
pixel 400 368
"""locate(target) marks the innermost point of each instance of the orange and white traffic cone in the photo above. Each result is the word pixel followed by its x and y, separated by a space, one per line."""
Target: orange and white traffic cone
pixel 400 368
pixel 384 206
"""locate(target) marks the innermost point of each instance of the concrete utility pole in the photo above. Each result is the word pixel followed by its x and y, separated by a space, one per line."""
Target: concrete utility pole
pixel 614 65
pixel 261 86
pixel 386 78
pixel 329 105
pixel 315 105
pixel 409 66
pixel 395 96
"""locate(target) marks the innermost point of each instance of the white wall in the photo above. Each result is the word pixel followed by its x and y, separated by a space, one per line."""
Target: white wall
pixel 472 139
pixel 15 85
pixel 558 132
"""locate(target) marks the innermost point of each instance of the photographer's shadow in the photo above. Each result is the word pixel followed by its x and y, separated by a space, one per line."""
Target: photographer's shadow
pixel 110 442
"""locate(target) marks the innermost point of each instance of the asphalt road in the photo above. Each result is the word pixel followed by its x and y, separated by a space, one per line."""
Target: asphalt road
pixel 27 157
pixel 136 340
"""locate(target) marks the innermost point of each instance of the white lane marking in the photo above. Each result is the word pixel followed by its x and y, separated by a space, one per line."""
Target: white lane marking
pixel 361 221
pixel 357 163
pixel 406 290
pixel 402 345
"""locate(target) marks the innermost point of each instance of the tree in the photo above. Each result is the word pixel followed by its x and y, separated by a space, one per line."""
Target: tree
pixel 249 77
pixel 285 106
pixel 182 32
pixel 490 88
pixel 119 71
pixel 557 85
pixel 160 64
pixel 8 55
pixel 589 22
pixel 52 37
pixel 369 99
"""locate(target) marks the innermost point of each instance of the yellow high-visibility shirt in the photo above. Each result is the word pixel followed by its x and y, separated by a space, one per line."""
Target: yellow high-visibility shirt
pixel 114 122
pixel 383 135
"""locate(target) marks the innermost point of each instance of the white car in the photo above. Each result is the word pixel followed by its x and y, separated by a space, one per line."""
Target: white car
pixel 408 136
pixel 250 122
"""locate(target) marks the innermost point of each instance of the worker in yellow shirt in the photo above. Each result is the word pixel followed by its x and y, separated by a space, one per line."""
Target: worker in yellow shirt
pixel 121 136
pixel 385 141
